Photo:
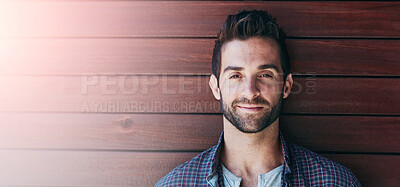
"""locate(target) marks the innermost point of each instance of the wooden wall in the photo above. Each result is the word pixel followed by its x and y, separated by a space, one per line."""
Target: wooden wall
pixel 115 93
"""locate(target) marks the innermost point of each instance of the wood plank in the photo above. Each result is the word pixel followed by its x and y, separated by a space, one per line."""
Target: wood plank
pixel 188 94
pixel 72 168
pixel 64 168
pixel 186 56
pixel 188 132
pixel 371 170
pixel 100 56
pixel 109 131
pixel 343 133
pixel 193 19
pixel 345 57
pixel 352 95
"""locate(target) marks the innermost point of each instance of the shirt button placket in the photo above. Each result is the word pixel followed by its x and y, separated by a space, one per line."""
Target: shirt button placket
pixel 287 180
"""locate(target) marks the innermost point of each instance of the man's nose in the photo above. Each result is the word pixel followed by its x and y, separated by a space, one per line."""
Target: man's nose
pixel 250 88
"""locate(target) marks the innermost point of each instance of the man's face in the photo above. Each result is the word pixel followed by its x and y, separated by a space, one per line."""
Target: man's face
pixel 251 83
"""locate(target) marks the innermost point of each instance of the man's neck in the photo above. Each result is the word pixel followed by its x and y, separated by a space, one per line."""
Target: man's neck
pixel 249 154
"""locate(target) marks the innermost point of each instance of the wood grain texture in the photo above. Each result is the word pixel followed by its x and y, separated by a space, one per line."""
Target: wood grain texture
pixel 66 168
pixel 345 57
pixel 61 168
pixel 67 119
pixel 187 56
pixel 334 95
pixel 343 133
pixel 166 132
pixel 371 170
pixel 193 19
pixel 109 131
pixel 188 94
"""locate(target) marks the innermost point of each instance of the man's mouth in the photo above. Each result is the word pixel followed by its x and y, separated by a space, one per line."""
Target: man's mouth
pixel 250 108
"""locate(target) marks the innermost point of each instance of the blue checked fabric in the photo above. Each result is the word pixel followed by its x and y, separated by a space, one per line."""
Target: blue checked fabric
pixel 302 167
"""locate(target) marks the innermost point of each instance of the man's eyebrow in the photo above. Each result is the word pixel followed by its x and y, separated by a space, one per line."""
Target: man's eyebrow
pixel 233 68
pixel 268 66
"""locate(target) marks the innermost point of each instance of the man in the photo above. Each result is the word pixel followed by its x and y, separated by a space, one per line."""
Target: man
pixel 251 76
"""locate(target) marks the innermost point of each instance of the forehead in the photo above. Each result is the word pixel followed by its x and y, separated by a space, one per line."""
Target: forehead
pixel 250 53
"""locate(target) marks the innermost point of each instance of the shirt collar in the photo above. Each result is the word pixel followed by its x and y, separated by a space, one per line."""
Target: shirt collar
pixel 216 155
pixel 286 154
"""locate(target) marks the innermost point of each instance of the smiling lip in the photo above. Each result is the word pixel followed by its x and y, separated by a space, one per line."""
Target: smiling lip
pixel 251 108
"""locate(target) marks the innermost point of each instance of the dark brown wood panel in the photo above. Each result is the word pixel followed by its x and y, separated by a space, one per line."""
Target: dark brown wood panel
pixel 188 94
pixel 345 57
pixel 101 56
pixel 188 132
pixel 336 95
pixel 64 168
pixel 69 120
pixel 371 170
pixel 109 131
pixel 108 94
pixel 343 133
pixel 187 56
pixel 193 19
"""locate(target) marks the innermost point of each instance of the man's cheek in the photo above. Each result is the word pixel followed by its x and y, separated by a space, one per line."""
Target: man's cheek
pixel 271 89
pixel 232 89
pixel 276 87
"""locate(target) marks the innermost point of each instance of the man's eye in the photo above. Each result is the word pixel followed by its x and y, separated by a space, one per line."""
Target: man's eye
pixel 234 77
pixel 266 75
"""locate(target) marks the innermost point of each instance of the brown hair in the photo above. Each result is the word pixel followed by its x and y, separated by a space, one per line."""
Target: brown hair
pixel 247 24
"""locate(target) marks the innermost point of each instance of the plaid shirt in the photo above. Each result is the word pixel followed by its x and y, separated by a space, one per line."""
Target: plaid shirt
pixel 302 167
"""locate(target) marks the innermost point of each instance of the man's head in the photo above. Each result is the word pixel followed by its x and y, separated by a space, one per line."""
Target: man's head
pixel 245 25
pixel 251 70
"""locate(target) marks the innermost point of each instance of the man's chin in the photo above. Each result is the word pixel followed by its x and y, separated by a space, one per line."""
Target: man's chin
pixel 250 127
pixel 250 131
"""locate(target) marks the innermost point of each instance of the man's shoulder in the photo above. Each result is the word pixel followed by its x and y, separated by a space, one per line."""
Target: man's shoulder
pixel 317 170
pixel 193 171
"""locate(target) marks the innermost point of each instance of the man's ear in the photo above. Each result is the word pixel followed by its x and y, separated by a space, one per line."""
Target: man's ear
pixel 288 86
pixel 214 87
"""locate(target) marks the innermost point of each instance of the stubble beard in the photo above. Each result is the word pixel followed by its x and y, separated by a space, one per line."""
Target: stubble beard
pixel 249 123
